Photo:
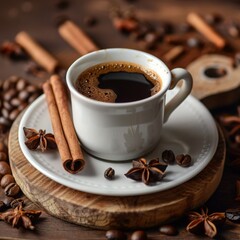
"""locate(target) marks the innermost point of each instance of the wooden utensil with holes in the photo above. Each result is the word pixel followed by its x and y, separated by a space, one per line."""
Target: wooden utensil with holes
pixel 216 82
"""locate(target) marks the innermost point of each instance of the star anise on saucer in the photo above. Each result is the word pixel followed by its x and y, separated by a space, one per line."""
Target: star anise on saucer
pixel 202 223
pixel 40 139
pixel 147 172
pixel 18 217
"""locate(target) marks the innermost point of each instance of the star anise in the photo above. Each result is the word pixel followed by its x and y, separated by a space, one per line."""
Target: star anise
pixel 147 172
pixel 18 217
pixel 39 138
pixel 202 223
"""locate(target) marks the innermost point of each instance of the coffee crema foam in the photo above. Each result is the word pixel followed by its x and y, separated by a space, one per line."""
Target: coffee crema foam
pixel 87 82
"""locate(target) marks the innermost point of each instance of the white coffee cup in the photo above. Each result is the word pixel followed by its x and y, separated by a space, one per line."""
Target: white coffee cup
pixel 124 131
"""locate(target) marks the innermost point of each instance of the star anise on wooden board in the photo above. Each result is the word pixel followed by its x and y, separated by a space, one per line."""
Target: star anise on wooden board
pixel 202 223
pixel 39 138
pixel 147 172
pixel 18 217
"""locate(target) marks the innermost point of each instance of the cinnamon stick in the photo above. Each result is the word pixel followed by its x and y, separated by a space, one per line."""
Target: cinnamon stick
pixel 76 37
pixel 66 139
pixel 173 53
pixel 37 52
pixel 206 30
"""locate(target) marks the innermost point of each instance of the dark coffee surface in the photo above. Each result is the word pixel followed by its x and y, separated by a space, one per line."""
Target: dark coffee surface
pixel 118 82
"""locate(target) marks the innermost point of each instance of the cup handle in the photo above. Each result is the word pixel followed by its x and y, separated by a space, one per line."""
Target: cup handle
pixel 185 89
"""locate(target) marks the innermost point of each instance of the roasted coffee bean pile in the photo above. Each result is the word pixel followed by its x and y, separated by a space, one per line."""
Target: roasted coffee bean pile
pixel 16 94
pixel 9 190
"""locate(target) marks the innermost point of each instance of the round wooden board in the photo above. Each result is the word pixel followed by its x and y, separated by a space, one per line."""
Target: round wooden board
pixel 105 212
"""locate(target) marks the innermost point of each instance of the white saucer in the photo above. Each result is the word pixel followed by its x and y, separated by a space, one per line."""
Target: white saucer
pixel 190 130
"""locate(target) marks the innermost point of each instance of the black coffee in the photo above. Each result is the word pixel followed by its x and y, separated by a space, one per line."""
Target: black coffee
pixel 118 82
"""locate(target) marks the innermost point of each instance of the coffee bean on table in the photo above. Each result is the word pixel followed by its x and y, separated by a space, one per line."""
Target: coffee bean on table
pixel 115 235
pixel 3 156
pixel 21 84
pixel 6 180
pixel 12 189
pixel 4 168
pixel 139 235
pixel 169 230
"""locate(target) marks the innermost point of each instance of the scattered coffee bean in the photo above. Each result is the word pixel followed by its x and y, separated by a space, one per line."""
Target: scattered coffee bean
pixel 7 200
pixel 233 215
pixel 213 18
pixel 115 235
pixel 21 84
pixel 183 160
pixel 168 230
pixel 12 190
pixel 139 235
pixel 8 95
pixel 3 147
pixel 233 31
pixel 4 168
pixel 13 114
pixel 194 42
pixel 168 156
pixel 109 173
pixel 3 156
pixel 6 180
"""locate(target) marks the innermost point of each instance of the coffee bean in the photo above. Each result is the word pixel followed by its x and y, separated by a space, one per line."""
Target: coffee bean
pixel 32 88
pixel 23 95
pixel 22 106
pixel 7 105
pixel 8 95
pixel 7 200
pixel 115 235
pixel 3 147
pixel 9 83
pixel 183 160
pixel 168 230
pixel 4 168
pixel 3 156
pixel 15 102
pixel 5 113
pixel 33 97
pixel 12 189
pixel 194 42
pixel 5 123
pixel 13 114
pixel 168 156
pixel 139 235
pixel 6 180
pixel 21 84
pixel 109 173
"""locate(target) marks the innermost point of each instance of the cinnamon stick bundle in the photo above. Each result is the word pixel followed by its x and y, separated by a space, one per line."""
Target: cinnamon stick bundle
pixel 64 132
pixel 76 37
pixel 206 30
pixel 37 52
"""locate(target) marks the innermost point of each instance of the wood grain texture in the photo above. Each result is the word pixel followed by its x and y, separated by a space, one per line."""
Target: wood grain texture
pixel 212 90
pixel 105 212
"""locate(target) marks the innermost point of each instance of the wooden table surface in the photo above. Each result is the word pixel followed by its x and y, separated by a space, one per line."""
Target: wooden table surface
pixel 38 19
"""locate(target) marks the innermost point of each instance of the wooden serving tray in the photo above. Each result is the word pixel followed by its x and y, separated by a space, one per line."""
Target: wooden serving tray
pixel 105 212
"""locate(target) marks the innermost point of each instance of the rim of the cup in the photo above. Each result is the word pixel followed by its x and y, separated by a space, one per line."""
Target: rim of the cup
pixel 114 104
